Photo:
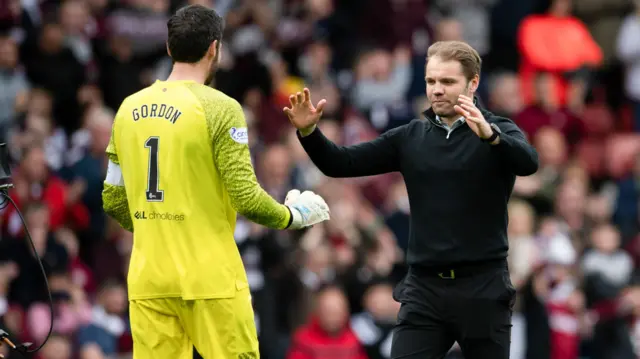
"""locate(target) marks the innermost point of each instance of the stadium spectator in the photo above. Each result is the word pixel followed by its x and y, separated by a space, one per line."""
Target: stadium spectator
pixel 628 51
pixel 14 85
pixel 504 94
pixel 108 322
pixel 537 36
pixel 72 309
pixel 328 334
pixel 51 253
pixel 606 260
pixel 58 347
pixel 382 81
pixel 547 111
pixel 374 325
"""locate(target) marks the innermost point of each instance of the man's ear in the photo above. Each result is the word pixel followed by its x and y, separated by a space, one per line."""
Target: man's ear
pixel 168 51
pixel 213 48
pixel 473 84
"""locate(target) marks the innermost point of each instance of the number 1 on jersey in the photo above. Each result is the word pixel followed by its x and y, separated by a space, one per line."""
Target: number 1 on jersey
pixel 154 194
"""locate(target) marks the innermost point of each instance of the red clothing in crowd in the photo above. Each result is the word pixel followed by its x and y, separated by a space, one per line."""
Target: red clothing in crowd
pixel 563 324
pixel 82 276
pixel 538 37
pixel 312 342
pixel 533 118
pixel 53 194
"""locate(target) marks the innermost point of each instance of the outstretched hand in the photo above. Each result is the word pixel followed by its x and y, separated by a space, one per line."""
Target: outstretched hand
pixel 473 117
pixel 302 114
pixel 307 209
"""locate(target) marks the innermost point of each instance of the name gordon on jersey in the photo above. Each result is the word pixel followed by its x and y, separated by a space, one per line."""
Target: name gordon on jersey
pixel 160 111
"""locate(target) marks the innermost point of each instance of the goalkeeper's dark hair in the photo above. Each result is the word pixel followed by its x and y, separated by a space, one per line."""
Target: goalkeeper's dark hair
pixel 192 29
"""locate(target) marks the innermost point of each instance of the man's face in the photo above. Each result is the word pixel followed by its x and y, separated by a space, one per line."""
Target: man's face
pixel 505 97
pixel 35 165
pixel 332 311
pixel 38 219
pixel 551 146
pixel 57 348
pixel 52 38
pixel 545 91
pixel 8 53
pixel 561 7
pixel 276 165
pixel 115 300
pixel 15 7
pixel 100 134
pixel 379 302
pixel 74 16
pixel 445 83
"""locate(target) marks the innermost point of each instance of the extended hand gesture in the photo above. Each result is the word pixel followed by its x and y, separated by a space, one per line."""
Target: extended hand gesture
pixel 302 114
pixel 307 209
pixel 474 117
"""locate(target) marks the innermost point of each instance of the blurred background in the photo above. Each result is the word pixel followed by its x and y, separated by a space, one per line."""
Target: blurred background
pixel 567 72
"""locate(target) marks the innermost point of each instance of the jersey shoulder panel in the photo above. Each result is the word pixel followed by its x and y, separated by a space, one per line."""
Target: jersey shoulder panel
pixel 222 112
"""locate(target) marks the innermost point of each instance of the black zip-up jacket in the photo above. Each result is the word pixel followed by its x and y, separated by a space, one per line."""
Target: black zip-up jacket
pixel 458 185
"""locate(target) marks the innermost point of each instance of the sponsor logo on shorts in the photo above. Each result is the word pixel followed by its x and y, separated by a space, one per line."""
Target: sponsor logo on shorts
pixel 158 216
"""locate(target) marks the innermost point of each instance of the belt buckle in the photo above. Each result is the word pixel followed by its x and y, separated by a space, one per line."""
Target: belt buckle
pixel 452 275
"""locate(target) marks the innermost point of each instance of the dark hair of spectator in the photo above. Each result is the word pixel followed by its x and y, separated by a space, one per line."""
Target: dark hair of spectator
pixel 192 29
pixel 110 284
pixel 377 283
pixel 327 287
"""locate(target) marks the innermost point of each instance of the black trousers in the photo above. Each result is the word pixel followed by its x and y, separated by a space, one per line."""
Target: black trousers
pixel 474 308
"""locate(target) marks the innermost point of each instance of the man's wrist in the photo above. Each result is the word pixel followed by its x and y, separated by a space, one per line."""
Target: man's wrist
pixel 296 221
pixel 290 218
pixel 494 138
pixel 304 132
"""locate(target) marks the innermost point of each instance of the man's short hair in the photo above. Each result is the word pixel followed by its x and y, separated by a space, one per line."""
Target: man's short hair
pixel 109 284
pixel 192 29
pixel 495 79
pixel 459 51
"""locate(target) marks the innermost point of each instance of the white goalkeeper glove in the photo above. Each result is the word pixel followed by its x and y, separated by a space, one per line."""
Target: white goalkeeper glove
pixel 307 209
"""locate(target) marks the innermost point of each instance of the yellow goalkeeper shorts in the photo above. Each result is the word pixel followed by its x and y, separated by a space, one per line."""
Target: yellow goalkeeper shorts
pixel 168 328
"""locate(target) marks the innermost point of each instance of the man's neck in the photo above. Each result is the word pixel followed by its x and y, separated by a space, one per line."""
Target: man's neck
pixel 449 121
pixel 188 72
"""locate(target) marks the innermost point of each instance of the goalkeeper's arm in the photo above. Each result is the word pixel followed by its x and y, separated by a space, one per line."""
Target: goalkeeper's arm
pixel 114 195
pixel 233 160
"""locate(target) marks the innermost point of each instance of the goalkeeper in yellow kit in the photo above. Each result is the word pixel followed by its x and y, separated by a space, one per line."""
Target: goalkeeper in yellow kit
pixel 179 172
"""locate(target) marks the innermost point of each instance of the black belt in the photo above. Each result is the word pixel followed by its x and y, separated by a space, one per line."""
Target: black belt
pixel 459 270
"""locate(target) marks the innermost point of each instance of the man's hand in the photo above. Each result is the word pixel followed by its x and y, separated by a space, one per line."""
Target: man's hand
pixel 302 114
pixel 474 117
pixel 307 209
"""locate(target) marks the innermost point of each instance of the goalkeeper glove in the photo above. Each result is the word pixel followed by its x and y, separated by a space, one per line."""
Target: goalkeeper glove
pixel 307 209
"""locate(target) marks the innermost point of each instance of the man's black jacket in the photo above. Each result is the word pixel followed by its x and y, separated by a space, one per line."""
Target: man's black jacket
pixel 458 185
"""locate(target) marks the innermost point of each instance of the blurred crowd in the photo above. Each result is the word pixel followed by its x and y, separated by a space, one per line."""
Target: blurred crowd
pixel 566 71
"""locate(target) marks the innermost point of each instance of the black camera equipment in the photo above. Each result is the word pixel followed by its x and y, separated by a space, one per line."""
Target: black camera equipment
pixel 5 185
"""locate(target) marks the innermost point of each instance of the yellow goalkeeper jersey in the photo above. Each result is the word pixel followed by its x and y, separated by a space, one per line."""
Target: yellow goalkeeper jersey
pixel 182 149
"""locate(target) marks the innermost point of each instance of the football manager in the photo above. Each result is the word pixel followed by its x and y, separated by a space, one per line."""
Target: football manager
pixel 459 164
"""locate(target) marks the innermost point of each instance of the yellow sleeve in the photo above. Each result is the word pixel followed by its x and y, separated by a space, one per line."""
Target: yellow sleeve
pixel 227 127
pixel 114 197
pixel 111 147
